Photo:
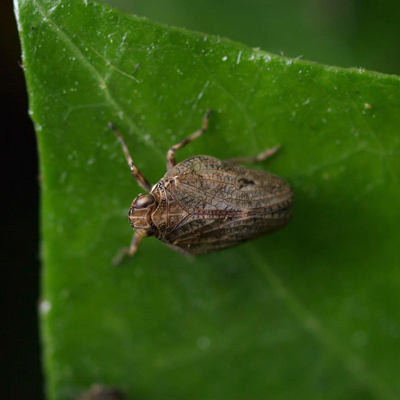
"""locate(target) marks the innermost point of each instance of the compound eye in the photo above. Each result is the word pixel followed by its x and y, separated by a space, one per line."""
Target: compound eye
pixel 144 201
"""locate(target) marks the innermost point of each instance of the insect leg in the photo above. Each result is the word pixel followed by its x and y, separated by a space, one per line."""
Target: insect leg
pixel 252 160
pixel 137 174
pixel 171 160
pixel 133 248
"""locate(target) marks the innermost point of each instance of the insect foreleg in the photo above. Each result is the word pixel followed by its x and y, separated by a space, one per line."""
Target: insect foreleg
pixel 252 160
pixel 137 174
pixel 171 160
pixel 133 248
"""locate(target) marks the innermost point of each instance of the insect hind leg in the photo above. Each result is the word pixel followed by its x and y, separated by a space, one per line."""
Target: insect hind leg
pixel 171 160
pixel 253 160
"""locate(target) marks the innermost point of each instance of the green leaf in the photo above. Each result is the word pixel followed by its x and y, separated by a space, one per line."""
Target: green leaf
pixel 310 312
pixel 355 33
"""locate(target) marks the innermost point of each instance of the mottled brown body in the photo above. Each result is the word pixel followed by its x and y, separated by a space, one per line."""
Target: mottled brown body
pixel 98 392
pixel 204 204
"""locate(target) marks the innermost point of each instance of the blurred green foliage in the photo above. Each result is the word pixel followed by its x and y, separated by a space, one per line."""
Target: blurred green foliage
pixel 347 33
pixel 308 313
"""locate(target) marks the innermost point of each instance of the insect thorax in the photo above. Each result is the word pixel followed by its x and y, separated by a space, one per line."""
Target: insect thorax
pixel 169 212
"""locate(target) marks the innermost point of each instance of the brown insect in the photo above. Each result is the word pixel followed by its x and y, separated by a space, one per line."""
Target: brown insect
pixel 204 204
pixel 98 392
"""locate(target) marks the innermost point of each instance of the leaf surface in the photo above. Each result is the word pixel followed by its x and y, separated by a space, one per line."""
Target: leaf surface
pixel 310 312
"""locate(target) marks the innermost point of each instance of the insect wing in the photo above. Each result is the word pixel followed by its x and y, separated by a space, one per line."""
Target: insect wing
pixel 223 204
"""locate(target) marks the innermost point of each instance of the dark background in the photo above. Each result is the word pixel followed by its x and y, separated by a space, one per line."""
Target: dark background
pixel 348 33
pixel 19 224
